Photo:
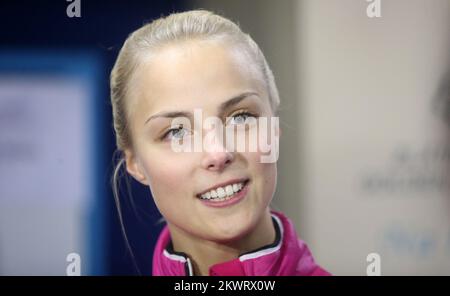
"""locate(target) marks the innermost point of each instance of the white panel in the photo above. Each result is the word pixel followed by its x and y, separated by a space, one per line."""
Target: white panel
pixel 44 173
pixel 376 153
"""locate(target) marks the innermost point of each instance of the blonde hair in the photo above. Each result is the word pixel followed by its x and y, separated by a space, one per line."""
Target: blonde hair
pixel 177 27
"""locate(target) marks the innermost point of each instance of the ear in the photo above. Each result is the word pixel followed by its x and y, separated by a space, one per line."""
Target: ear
pixel 134 168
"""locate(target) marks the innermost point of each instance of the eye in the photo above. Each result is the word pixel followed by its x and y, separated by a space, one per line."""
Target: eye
pixel 175 133
pixel 241 117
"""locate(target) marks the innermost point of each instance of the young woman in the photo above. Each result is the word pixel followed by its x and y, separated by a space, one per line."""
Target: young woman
pixel 216 200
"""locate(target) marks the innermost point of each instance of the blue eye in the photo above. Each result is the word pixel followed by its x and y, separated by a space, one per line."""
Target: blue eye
pixel 177 133
pixel 241 118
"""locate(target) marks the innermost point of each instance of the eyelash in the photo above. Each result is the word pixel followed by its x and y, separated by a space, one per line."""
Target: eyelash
pixel 244 112
pixel 178 128
pixel 171 130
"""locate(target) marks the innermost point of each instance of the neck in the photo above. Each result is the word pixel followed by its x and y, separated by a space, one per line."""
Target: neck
pixel 205 253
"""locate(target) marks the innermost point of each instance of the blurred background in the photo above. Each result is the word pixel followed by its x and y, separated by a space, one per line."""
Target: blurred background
pixel 365 113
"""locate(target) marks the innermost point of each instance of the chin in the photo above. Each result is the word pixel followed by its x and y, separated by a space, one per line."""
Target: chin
pixel 232 231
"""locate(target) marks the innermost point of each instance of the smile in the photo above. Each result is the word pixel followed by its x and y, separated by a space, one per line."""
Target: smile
pixel 224 192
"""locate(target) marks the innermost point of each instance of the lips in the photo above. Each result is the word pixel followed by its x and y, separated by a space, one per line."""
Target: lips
pixel 229 201
pixel 223 185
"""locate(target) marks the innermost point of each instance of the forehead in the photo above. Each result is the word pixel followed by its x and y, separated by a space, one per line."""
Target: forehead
pixel 194 74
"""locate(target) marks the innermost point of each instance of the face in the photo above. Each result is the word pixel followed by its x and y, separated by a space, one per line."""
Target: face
pixel 182 78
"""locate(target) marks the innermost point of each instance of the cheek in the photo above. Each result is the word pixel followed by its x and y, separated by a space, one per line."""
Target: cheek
pixel 169 179
pixel 264 173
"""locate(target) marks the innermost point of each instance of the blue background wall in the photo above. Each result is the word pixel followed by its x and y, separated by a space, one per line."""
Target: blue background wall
pixel 36 26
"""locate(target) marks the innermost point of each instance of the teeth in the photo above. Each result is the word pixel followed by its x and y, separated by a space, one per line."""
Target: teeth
pixel 229 190
pixel 223 193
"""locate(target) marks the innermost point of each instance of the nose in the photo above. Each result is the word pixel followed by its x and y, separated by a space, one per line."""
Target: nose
pixel 216 156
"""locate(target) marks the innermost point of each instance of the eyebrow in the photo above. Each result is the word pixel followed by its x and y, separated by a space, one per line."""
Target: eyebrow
pixel 225 105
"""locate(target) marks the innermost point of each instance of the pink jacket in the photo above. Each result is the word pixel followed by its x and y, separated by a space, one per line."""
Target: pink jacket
pixel 287 255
